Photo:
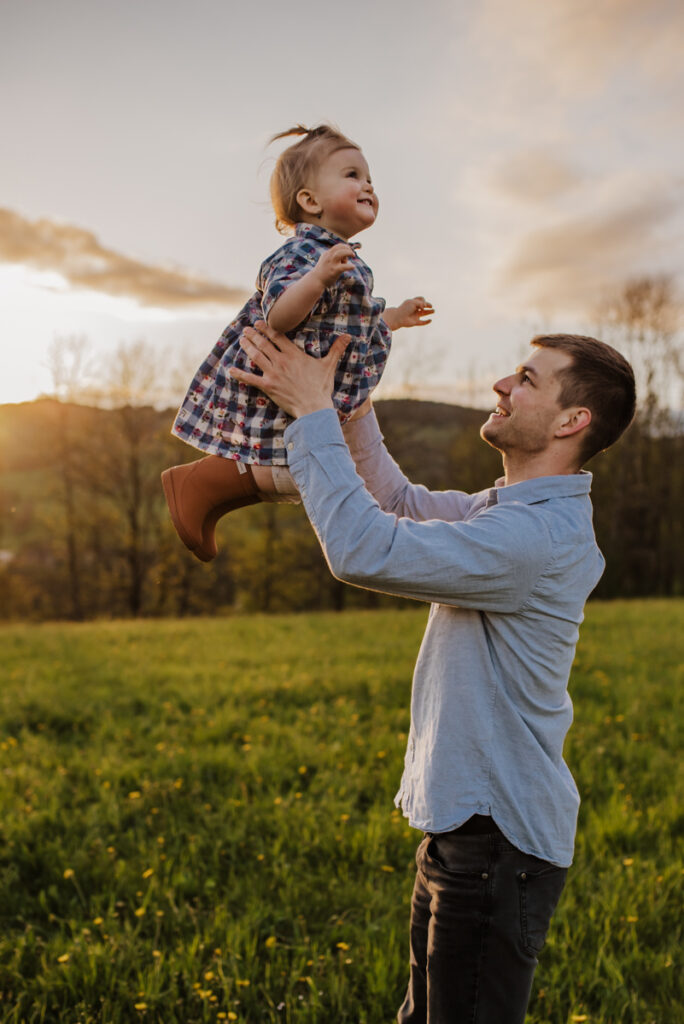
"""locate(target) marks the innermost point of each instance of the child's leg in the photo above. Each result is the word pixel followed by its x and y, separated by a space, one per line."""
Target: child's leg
pixel 275 483
pixel 200 492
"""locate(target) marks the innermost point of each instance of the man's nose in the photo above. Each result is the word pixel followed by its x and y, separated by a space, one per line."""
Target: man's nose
pixel 503 386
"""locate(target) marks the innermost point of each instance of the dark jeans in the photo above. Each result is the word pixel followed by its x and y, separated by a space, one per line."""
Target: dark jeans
pixel 479 917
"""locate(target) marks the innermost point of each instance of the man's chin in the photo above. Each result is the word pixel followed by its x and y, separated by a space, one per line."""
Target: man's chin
pixel 488 433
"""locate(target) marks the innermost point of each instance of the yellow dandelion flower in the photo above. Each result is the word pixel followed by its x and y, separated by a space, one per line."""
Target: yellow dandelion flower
pixel 98 920
pixel 271 942
pixel 161 840
pixel 63 958
pixel 178 784
pixel 243 982
pixel 69 873
pixel 344 817
pixel 628 861
pixel 302 769
pixel 633 919
pixel 260 856
pixel 232 1015
pixel 343 945
pixel 387 867
pixel 148 873
pixel 159 913
pixel 579 1017
pixel 381 753
pixel 156 953
pixel 135 795
pixel 348 960
pixel 278 800
pixel 208 975
pixel 140 912
pixel 140 1006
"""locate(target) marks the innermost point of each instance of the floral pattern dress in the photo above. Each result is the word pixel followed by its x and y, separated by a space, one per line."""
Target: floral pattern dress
pixel 222 416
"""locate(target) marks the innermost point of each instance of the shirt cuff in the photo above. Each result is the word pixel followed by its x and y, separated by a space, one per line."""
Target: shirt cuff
pixel 362 434
pixel 316 428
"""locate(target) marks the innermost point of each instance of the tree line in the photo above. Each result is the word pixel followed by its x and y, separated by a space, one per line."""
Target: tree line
pixel 84 530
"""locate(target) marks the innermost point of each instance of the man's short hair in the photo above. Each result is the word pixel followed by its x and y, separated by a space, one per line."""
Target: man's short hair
pixel 599 378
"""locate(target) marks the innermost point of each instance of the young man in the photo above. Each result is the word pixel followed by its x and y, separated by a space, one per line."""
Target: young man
pixel 507 571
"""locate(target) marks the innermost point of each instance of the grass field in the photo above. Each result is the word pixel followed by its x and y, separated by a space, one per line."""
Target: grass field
pixel 197 821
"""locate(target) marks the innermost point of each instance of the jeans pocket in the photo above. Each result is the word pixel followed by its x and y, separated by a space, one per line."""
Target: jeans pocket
pixel 457 858
pixel 539 893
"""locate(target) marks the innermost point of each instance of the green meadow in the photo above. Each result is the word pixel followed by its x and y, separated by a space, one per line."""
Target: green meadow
pixel 197 821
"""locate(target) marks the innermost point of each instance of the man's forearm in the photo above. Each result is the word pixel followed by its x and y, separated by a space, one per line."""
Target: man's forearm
pixel 385 480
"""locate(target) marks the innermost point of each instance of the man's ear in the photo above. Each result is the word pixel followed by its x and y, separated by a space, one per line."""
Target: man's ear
pixel 573 420
pixel 308 203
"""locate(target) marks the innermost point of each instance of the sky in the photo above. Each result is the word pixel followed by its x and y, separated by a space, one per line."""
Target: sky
pixel 528 158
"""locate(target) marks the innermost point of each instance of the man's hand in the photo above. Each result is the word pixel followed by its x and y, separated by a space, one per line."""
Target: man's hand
pixel 297 382
pixel 411 313
pixel 333 263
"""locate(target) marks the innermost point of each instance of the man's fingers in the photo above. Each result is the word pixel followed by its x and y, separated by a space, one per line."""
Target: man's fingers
pixel 245 377
pixel 277 339
pixel 338 347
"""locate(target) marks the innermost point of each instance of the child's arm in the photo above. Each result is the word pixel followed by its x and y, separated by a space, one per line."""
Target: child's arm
pixel 299 298
pixel 411 313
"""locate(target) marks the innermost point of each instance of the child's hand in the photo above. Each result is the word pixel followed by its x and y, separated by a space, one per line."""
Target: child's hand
pixel 333 263
pixel 411 313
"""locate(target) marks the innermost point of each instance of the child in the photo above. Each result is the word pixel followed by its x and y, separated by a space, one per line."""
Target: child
pixel 314 288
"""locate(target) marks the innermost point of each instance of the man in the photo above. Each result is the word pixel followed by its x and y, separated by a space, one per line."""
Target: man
pixel 507 572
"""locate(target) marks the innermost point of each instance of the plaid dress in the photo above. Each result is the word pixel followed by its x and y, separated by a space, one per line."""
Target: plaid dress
pixel 222 416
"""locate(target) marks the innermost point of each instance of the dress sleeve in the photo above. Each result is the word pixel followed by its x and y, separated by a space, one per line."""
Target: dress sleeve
pixel 281 270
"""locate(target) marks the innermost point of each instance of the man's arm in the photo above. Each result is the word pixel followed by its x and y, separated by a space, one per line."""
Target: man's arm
pixel 388 484
pixel 490 563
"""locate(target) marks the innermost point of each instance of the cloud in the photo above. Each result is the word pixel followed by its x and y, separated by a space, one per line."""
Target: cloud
pixel 579 44
pixel 568 265
pixel 534 176
pixel 79 257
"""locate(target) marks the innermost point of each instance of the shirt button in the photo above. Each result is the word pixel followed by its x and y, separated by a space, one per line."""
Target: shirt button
pixel 523 875
pixel 485 875
pixel 290 446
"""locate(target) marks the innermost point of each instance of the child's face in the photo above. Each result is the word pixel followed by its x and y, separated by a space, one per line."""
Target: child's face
pixel 343 198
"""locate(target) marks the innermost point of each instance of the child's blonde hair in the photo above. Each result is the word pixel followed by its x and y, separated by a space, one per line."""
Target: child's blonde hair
pixel 296 163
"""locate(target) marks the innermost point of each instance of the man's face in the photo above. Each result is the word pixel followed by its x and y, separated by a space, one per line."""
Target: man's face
pixel 528 411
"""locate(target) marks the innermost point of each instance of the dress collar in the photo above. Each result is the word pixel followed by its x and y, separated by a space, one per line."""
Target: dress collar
pixel 304 230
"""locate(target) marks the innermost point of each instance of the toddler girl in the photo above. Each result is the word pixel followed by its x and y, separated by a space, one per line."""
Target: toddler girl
pixel 314 288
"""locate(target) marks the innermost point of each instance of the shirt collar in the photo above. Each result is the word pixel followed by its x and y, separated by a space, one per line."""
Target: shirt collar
pixel 541 488
pixel 304 230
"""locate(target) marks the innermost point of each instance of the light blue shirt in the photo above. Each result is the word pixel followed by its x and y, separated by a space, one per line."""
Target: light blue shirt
pixel 507 572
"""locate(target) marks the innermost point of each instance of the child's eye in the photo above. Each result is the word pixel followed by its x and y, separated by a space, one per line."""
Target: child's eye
pixel 352 174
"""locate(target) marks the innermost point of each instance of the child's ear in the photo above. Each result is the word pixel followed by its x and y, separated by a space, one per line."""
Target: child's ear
pixel 308 203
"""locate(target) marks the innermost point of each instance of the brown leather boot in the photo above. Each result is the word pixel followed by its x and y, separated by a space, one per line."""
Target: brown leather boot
pixel 199 493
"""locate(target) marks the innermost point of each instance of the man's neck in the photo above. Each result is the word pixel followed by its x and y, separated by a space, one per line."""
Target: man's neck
pixel 529 467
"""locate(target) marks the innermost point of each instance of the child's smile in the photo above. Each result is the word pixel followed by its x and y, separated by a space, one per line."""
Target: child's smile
pixel 342 198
